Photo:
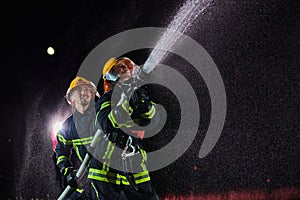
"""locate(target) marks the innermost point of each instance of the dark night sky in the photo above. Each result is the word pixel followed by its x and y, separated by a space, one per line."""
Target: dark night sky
pixel 255 45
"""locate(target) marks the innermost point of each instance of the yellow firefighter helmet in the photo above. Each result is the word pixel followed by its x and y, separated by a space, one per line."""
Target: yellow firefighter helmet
pixel 77 82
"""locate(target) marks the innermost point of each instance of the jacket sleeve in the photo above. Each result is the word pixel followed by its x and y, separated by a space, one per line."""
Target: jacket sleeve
pixel 63 149
pixel 140 112
pixel 111 117
pixel 143 109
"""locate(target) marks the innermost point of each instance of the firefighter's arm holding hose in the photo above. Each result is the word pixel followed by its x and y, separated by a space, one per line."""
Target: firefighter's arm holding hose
pixel 129 104
pixel 136 109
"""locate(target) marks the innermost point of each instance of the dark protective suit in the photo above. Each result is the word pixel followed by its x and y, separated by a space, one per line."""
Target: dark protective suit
pixel 76 134
pixel 113 177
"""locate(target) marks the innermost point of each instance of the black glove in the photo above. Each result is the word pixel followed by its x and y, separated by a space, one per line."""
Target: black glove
pixel 71 179
pixel 70 176
pixel 140 104
pixel 140 100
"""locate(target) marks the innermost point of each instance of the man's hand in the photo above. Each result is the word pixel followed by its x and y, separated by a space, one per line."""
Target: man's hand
pixel 71 179
pixel 70 176
pixel 138 98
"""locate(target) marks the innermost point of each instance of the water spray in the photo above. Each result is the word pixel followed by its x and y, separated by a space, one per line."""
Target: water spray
pixel 173 40
pixel 180 23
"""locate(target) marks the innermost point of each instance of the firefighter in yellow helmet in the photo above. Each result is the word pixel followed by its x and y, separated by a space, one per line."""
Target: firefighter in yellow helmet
pixel 111 183
pixel 76 132
pixel 85 85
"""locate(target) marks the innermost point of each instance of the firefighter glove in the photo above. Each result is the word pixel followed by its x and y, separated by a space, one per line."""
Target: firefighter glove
pixel 139 100
pixel 71 179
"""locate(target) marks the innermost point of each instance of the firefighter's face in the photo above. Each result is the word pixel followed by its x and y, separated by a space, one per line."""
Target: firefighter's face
pixel 82 95
pixel 123 70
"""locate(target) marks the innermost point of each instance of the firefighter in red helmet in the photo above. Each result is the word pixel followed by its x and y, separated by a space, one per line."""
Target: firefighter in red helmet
pixel 122 68
pixel 109 182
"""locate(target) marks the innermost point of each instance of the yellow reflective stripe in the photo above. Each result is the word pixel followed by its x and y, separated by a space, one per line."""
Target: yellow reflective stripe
pixel 79 141
pixel 96 191
pixel 143 165
pixel 108 157
pixel 83 141
pixel 144 173
pixel 104 176
pixel 109 150
pixel 113 120
pixel 128 124
pixel 128 109
pixel 124 180
pixel 77 151
pixel 66 170
pixel 79 190
pixel 111 177
pixel 106 153
pixel 60 138
pixel 104 179
pixel 138 178
pixel 143 152
pixel 63 140
pixel 61 158
pixel 96 118
pixel 141 177
pixel 150 113
pixel 105 104
pixel 98 171
pixel 153 113
pixel 104 166
pixel 107 167
pixel 151 110
pixel 142 180
pixel 124 108
pixel 144 156
pixel 115 124
pixel 98 178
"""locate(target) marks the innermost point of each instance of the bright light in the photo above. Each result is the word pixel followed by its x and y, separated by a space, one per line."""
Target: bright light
pixel 56 127
pixel 50 51
pixel 195 167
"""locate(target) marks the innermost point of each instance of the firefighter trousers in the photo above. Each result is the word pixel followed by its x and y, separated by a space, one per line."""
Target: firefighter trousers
pixel 111 191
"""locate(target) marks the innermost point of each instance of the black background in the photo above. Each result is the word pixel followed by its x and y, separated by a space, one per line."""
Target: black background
pixel 255 45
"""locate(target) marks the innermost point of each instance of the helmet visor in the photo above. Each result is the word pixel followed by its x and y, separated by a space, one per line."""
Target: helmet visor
pixel 111 76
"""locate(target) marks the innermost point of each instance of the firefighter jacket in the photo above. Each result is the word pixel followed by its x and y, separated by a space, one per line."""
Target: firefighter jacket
pixel 111 118
pixel 76 133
